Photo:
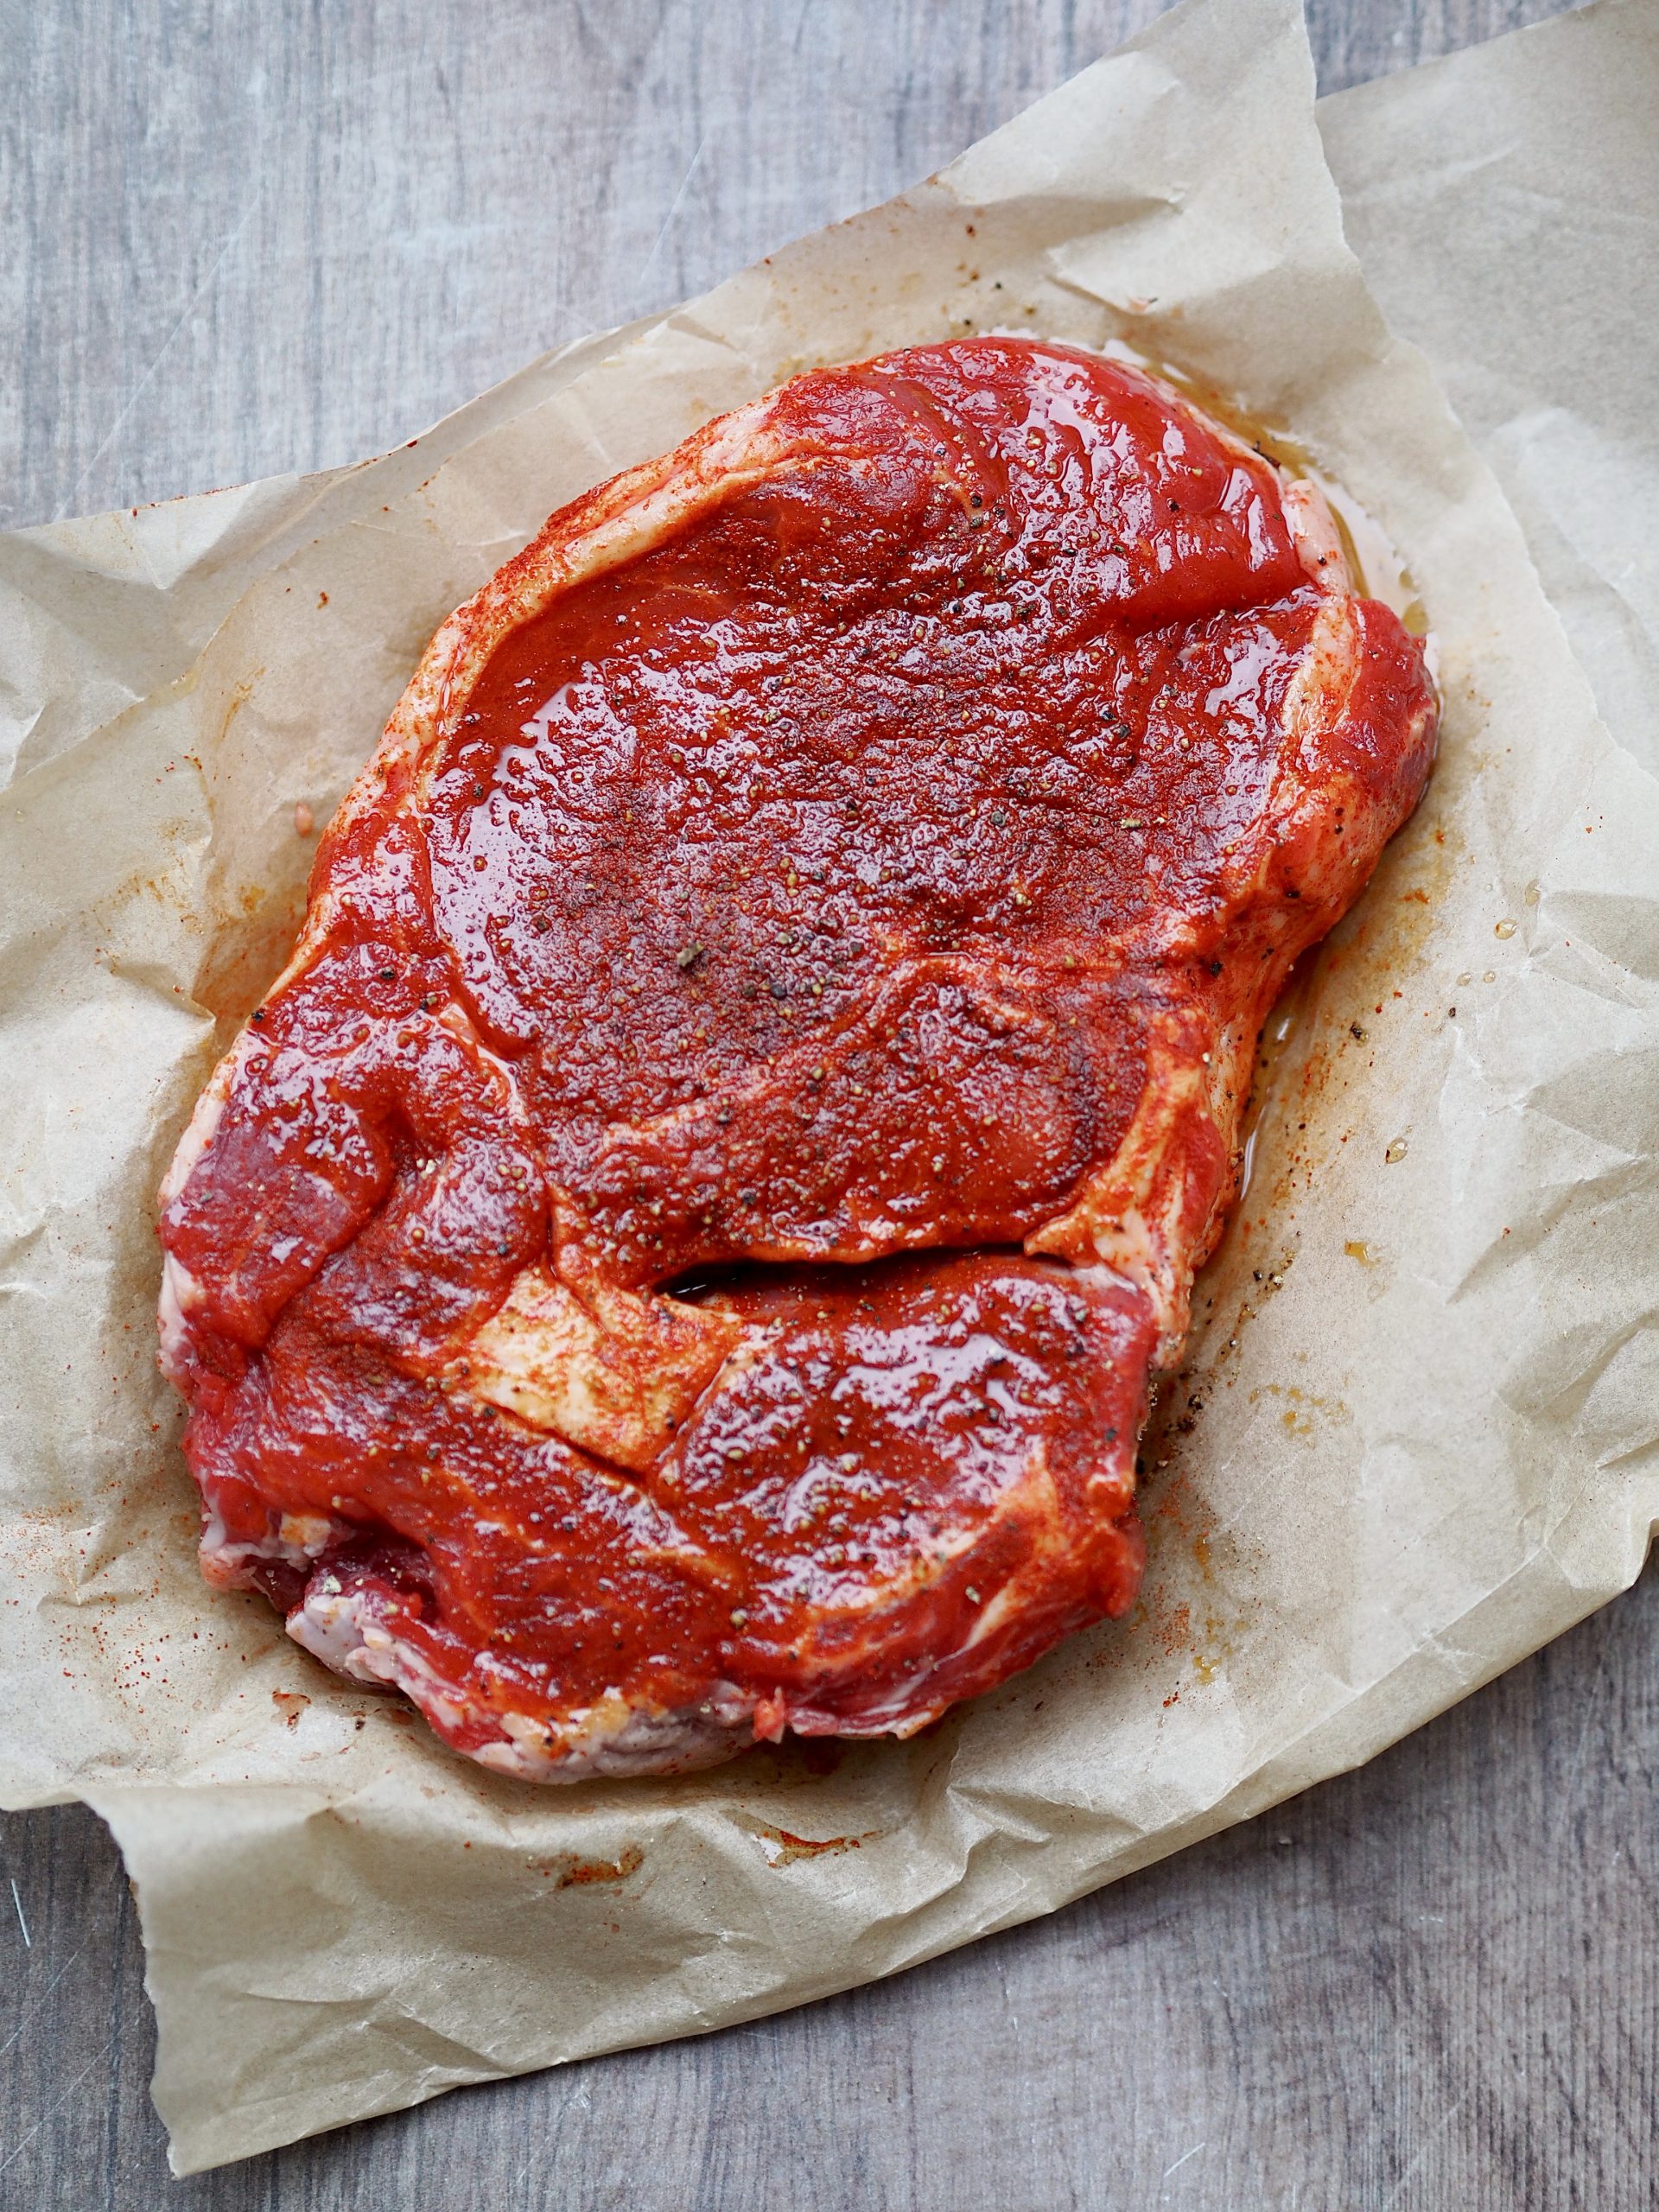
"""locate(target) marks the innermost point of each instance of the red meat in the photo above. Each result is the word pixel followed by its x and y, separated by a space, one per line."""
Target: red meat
pixel 681 1251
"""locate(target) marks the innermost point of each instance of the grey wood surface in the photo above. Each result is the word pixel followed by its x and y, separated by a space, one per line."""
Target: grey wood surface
pixel 245 237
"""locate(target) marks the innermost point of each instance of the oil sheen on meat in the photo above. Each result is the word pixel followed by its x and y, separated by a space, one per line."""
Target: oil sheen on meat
pixel 681 1252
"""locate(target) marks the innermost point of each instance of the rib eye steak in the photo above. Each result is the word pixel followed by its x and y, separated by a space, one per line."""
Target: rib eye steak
pixel 681 1250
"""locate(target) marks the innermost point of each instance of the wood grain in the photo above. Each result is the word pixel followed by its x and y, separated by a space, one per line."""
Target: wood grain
pixel 242 238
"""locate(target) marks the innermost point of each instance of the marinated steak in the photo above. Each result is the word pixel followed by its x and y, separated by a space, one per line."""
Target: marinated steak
pixel 681 1251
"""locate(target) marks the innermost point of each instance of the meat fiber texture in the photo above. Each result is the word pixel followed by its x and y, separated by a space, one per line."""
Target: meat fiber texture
pixel 1411 1436
pixel 1008 730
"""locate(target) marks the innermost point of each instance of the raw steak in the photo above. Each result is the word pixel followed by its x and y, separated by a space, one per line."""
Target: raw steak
pixel 680 1253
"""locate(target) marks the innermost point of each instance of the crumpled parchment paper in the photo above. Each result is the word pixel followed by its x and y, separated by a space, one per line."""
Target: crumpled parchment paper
pixel 1416 1437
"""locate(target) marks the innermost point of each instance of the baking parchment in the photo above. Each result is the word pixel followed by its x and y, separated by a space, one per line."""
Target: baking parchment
pixel 1416 1434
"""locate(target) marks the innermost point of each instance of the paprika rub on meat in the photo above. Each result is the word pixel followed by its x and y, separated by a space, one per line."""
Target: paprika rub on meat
pixel 681 1251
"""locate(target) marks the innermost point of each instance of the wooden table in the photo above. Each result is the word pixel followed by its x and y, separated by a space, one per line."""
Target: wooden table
pixel 243 239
